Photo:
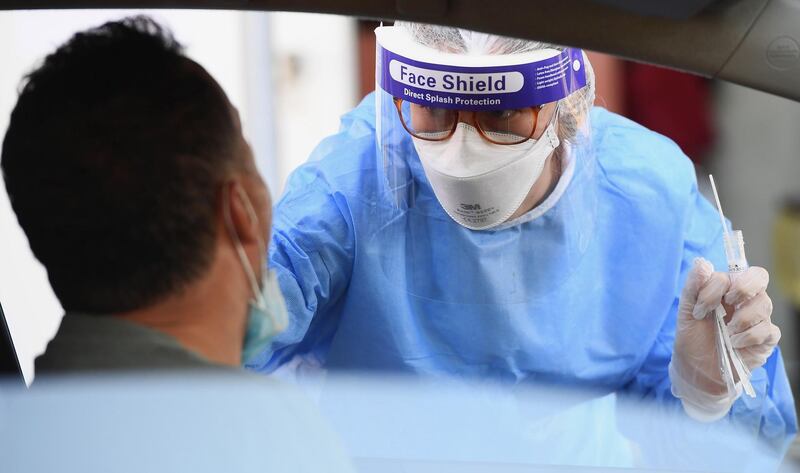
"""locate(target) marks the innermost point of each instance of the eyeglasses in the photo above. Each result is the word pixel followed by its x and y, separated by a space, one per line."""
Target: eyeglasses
pixel 501 127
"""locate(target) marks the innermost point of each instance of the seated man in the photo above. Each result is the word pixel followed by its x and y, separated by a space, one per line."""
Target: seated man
pixel 127 169
pixel 126 166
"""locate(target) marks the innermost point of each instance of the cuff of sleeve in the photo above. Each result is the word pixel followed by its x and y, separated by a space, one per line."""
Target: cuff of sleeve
pixel 698 404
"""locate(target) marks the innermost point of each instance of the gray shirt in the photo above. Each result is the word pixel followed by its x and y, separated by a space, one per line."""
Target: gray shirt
pixel 107 343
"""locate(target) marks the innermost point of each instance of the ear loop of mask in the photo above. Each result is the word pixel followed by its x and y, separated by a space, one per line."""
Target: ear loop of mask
pixel 248 269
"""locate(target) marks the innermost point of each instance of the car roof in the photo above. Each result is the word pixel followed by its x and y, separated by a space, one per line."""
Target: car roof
pixel 755 43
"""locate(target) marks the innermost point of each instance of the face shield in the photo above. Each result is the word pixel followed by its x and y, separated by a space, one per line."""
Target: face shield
pixel 462 140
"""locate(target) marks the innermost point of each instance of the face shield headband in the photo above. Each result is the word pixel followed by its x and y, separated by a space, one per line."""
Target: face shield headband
pixel 422 75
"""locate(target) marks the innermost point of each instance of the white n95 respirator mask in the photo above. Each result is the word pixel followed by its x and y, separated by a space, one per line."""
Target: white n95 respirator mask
pixel 480 184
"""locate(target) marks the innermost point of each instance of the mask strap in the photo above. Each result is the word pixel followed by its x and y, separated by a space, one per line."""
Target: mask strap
pixel 248 269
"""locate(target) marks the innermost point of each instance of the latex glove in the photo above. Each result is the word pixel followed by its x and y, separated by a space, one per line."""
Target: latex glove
pixel 695 370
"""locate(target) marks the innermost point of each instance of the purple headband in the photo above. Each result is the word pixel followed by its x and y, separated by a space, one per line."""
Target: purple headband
pixel 483 88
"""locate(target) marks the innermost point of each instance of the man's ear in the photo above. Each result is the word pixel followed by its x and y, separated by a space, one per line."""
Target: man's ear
pixel 248 205
pixel 239 208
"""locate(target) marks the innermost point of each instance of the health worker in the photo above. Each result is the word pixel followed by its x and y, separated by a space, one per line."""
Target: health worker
pixel 477 217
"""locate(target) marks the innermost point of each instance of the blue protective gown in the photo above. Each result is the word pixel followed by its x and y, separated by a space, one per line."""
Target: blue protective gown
pixel 610 324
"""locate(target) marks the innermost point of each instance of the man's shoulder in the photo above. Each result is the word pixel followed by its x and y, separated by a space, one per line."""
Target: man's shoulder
pixel 86 343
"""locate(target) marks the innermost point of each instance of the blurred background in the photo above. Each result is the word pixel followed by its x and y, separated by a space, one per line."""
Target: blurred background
pixel 292 75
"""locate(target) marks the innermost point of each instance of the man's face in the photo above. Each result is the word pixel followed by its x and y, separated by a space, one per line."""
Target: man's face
pixel 255 188
pixel 258 192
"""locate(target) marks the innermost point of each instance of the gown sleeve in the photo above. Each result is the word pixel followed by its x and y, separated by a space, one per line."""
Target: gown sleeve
pixel 771 414
pixel 313 244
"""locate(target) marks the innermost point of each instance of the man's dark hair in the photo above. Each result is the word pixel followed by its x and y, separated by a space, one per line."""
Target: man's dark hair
pixel 112 161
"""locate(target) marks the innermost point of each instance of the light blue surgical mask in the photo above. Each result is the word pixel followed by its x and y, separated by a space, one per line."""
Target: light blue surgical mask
pixel 266 316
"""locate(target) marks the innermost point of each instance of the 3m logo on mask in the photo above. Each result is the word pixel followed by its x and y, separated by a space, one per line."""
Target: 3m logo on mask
pixel 474 214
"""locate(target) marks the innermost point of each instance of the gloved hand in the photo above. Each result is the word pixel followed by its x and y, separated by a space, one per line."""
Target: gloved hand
pixel 695 369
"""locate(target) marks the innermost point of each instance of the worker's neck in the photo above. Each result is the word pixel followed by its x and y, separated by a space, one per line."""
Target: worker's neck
pixel 207 318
